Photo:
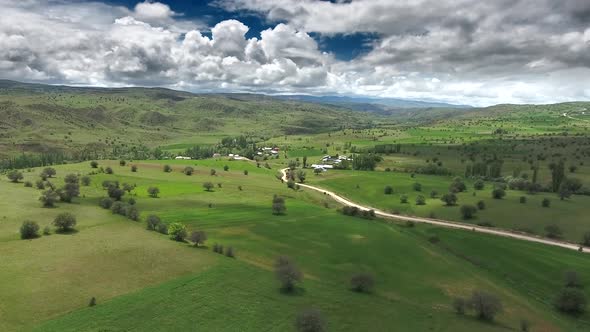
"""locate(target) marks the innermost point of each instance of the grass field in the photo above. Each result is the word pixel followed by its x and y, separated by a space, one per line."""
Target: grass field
pixel 142 280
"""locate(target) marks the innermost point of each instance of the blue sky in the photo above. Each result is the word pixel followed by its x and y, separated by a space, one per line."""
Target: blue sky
pixel 468 52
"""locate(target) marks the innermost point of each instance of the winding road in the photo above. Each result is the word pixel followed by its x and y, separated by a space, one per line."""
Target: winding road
pixel 442 223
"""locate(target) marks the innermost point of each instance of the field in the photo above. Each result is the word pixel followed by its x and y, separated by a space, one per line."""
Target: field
pixel 142 279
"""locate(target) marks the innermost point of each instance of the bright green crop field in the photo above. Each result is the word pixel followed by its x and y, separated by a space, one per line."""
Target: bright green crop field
pixel 142 280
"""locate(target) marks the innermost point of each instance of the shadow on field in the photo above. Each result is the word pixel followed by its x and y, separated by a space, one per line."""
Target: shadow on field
pixel 297 291
pixel 68 232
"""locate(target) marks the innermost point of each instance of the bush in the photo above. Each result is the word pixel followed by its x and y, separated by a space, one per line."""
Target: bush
pixel 167 168
pixel 287 273
pixel 459 304
pixel 49 198
pixel 198 237
pixel 498 193
pixel 571 301
pixel 46 230
pixel 48 172
pixel 85 180
pixel 133 168
pixel 546 202
pixel 450 199
pixel 217 248
pixel 478 184
pixel 119 207
pixel 65 222
pixel 122 162
pixel 108 170
pixel 278 205
pixel 29 230
pixel 94 164
pixel 208 186
pixel 230 252
pixel 163 228
pixel 105 203
pixel 177 231
pixel 403 198
pixel 457 185
pixel 481 205
pixel 245 172
pixel 132 212
pixel 153 221
pixel 468 211
pixel 212 172
pixel 310 320
pixel 40 184
pixel 420 200
pixel 188 170
pixel 522 199
pixel 388 190
pixel 553 231
pixel 14 176
pixel 417 186
pixel 28 184
pixel 362 282
pixel 485 305
pixel 434 194
pixel 226 168
pixel 153 192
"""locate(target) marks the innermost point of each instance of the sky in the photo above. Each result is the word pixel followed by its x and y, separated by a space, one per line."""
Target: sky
pixel 459 51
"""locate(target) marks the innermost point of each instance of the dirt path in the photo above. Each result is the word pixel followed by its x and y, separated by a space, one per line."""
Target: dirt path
pixel 444 223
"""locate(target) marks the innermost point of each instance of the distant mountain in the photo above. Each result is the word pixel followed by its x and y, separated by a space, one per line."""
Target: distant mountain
pixel 367 101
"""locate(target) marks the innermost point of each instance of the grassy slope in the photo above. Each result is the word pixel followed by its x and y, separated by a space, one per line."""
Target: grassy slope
pixel 416 279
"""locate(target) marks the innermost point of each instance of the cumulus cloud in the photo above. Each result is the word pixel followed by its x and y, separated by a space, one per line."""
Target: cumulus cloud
pixel 467 51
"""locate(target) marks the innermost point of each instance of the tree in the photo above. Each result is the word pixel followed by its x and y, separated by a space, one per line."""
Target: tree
pixel 468 211
pixel 70 189
pixel 212 172
pixel 167 169
pixel 106 203
pixel 310 320
pixel 48 172
pixel 226 168
pixel 388 190
pixel 92 302
pixel 94 164
pixel 403 199
pixel 128 187
pixel 557 175
pixel 287 273
pixel 433 194
pixel 14 176
pixel 304 161
pixel 115 192
pixel 153 192
pixel 198 237
pixel 301 176
pixel 450 199
pixel 119 207
pixel 152 222
pixel 29 230
pixel 522 199
pixel 64 222
pixel 122 162
pixel 481 205
pixel 40 184
pixel 108 170
pixel 571 300
pixel 188 170
pixel 457 185
pixel 362 282
pixel 177 231
pixel 498 193
pixel 133 168
pixel 230 252
pixel 245 172
pixel 278 205
pixel 546 202
pixel 132 212
pixel 86 180
pixel 417 186
pixel 208 186
pixel 478 184
pixel 485 305
pixel 568 187
pixel 553 231
pixel 420 200
pixel 49 198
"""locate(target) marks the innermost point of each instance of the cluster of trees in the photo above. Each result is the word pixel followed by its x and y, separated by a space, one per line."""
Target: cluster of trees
pixel 485 305
pixel 356 212
pixel 34 160
pixel 365 161
pixel 63 222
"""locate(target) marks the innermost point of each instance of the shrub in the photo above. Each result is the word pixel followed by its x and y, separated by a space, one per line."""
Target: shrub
pixel 119 207
pixel 212 172
pixel 105 203
pixel 46 230
pixel 287 273
pixel 108 170
pixel 177 231
pixel 133 168
pixel 417 186
pixel 153 221
pixel 522 199
pixel 28 184
pixel 48 172
pixel 188 170
pixel 301 176
pixel 403 198
pixel 122 162
pixel 310 320
pixel 14 176
pixel 420 200
pixel 49 198
pixel 153 192
pixel 29 230
pixel 131 201
pixel 208 186
pixel 434 194
pixel 198 237
pixel 485 305
pixel 85 180
pixel 459 304
pixel 546 202
pixel 65 222
pixel 115 192
pixel 481 205
pixel 553 231
pixel 468 211
pixel 450 199
pixel 245 172
pixel 498 193
pixel 40 184
pixel 167 168
pixel 94 164
pixel 226 168
pixel 132 212
pixel 163 228
pixel 362 282
pixel 478 184
pixel 571 301
pixel 278 205
pixel 230 252
pixel 457 185
pixel 388 190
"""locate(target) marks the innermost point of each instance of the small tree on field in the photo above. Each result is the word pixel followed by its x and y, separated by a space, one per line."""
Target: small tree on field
pixel 362 282
pixel 70 189
pixel 153 192
pixel 403 198
pixel 498 193
pixel 122 162
pixel 49 198
pixel 546 202
pixel 177 231
pixel 212 172
pixel 485 305
pixel 434 194
pixel 188 171
pixel 128 187
pixel 417 186
pixel 29 230
pixel 48 172
pixel 468 211
pixel 388 190
pixel 245 172
pixel 115 192
pixel 92 302
pixel 278 205
pixel 106 203
pixel 86 180
pixel 420 200
pixel 208 186
pixel 132 212
pixel 571 300
pixel 40 184
pixel 167 169
pixel 198 237
pixel 14 176
pixel 450 199
pixel 230 252
pixel 152 222
pixel 553 231
pixel 64 222
pixel 481 205
pixel 522 199
pixel 310 320
pixel 301 176
pixel 478 184
pixel 226 168
pixel 133 168
pixel 108 170
pixel 287 273
pixel 94 164
pixel 119 207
